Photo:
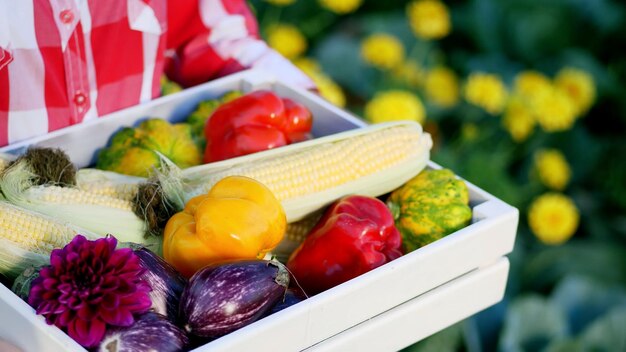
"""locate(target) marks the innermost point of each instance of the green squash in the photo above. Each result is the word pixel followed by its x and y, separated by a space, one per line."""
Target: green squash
pixel 133 151
pixel 430 206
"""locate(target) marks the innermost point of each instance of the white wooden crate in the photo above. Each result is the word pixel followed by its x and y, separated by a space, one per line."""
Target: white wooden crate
pixel 332 319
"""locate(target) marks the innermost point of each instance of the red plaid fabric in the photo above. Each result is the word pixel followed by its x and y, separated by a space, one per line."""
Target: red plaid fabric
pixel 64 62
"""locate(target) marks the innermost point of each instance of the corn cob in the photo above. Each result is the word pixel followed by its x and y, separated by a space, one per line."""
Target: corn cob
pixel 309 175
pixel 108 183
pixel 99 214
pixel 27 238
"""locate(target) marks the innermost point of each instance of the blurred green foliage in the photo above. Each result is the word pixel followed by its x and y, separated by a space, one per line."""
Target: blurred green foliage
pixel 559 298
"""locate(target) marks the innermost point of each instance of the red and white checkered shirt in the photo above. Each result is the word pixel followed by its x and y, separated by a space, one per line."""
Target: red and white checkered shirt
pixel 64 62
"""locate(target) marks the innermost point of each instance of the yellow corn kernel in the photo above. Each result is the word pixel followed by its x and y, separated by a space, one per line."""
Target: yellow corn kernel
pixel 108 183
pixel 326 165
pixel 297 231
pixel 66 195
pixel 33 231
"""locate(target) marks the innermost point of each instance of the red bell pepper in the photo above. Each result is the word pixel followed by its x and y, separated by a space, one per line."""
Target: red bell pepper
pixel 355 235
pixel 253 122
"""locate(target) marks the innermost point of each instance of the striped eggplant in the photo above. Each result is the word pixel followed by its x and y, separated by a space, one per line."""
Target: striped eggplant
pixel 220 299
pixel 166 283
pixel 150 332
pixel 292 296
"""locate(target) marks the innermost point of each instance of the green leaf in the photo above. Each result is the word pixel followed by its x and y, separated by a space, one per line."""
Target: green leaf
pixel 449 339
pixel 339 55
pixel 536 29
pixel 489 171
pixel 531 324
pixel 604 261
pixel 606 333
pixel 565 345
pixel 605 15
pixel 394 23
pixel 486 17
pixel 585 299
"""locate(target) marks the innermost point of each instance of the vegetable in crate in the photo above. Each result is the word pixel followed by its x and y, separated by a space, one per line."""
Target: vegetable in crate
pixel 239 218
pixel 134 151
pixel 198 118
pixel 254 122
pixel 291 297
pixel 90 286
pixel 430 206
pixel 44 181
pixel 167 284
pixel 150 332
pixel 223 298
pixel 27 238
pixel 355 235
pixel 310 175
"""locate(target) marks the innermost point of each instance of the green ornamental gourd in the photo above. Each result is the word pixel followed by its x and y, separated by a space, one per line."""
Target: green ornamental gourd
pixel 135 151
pixel 430 206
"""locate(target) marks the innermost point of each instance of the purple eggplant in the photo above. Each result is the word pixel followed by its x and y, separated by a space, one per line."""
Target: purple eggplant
pixel 220 299
pixel 292 296
pixel 167 283
pixel 150 332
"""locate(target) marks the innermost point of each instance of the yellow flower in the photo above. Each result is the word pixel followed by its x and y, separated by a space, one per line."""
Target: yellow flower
pixel 531 84
pixel 287 40
pixel 408 72
pixel 553 169
pixel 579 86
pixel 280 2
pixel 429 19
pixel 486 91
pixel 341 6
pixel 328 89
pixel 442 87
pixel 382 50
pixel 518 119
pixel 554 110
pixel 394 105
pixel 307 65
pixel 553 218
pixel 469 131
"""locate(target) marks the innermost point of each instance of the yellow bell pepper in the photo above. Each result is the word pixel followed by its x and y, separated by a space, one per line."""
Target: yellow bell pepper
pixel 239 218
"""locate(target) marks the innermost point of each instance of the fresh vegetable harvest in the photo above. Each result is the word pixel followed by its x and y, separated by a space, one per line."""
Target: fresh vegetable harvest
pixel 355 235
pixel 97 213
pixel 167 284
pixel 223 298
pixel 429 207
pixel 309 175
pixel 256 121
pixel 150 332
pixel 198 118
pixel 27 238
pixel 133 151
pixel 239 218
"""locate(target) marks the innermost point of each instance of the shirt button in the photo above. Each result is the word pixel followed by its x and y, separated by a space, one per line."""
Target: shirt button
pixel 66 16
pixel 80 99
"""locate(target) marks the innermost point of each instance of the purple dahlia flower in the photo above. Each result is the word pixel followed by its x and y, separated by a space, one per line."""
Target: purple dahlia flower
pixel 88 286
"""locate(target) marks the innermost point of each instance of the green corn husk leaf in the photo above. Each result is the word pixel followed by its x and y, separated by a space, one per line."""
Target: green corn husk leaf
pixel 18 188
pixel 21 285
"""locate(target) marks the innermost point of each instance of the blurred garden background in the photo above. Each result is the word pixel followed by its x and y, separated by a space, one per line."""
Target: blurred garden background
pixel 524 98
